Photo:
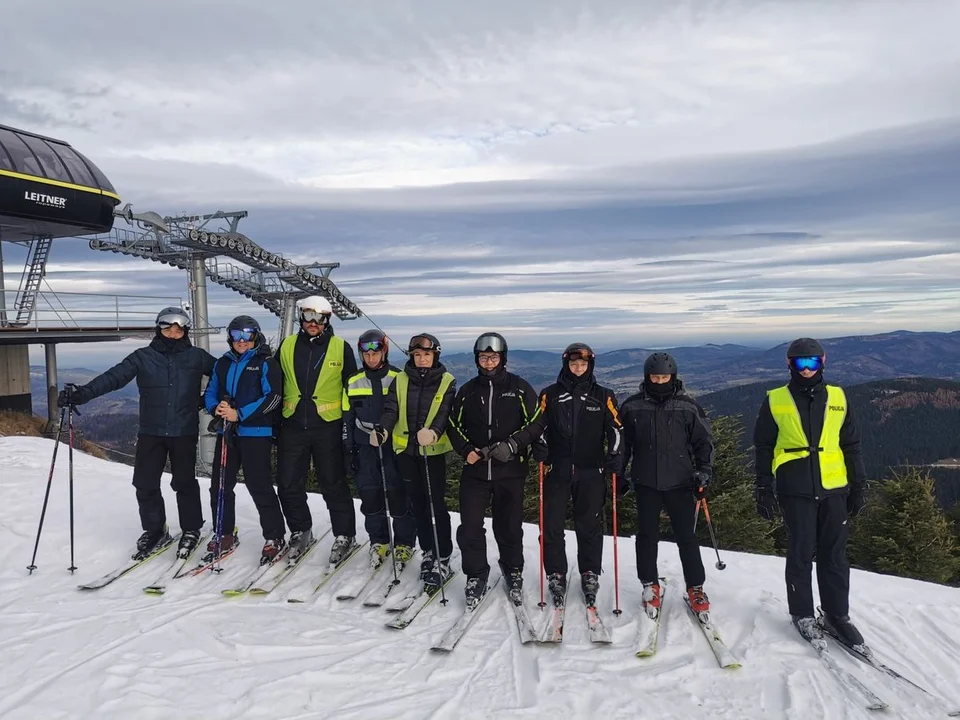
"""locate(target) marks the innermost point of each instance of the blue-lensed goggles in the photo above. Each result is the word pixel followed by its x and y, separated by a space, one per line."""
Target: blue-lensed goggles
pixel 371 346
pixel 814 363
pixel 243 335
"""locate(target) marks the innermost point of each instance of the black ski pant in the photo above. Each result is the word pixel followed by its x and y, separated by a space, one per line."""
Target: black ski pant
pixel 587 488
pixel 414 470
pixel 324 445
pixel 680 506
pixel 372 503
pixel 817 529
pixel 253 455
pixel 506 494
pixel 149 461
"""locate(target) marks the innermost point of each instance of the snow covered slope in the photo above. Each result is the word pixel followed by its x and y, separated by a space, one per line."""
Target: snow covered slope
pixel 192 653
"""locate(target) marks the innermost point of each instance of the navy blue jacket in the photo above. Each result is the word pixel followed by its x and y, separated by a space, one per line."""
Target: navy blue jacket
pixel 254 382
pixel 168 376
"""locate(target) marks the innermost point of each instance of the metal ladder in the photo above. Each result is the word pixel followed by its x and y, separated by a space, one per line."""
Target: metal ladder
pixel 30 281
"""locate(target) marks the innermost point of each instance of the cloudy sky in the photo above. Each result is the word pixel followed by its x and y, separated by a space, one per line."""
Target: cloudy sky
pixel 626 173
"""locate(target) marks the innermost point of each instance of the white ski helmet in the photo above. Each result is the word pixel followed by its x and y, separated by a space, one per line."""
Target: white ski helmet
pixel 316 303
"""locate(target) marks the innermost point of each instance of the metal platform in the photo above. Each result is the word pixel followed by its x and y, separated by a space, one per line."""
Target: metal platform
pixel 43 336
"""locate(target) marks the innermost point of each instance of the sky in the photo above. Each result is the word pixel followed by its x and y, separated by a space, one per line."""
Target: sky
pixel 622 173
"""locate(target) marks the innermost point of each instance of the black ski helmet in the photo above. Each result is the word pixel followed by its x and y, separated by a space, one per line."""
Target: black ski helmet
pixel 490 342
pixel 805 347
pixel 374 336
pixel 584 350
pixel 244 322
pixel 424 341
pixel 660 363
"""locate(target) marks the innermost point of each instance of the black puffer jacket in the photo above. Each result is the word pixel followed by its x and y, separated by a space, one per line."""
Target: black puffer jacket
pixel 802 477
pixel 577 415
pixel 168 376
pixel 668 439
pixel 488 410
pixel 420 393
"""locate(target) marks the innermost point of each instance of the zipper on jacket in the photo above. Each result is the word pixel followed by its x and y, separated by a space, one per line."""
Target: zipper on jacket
pixel 490 432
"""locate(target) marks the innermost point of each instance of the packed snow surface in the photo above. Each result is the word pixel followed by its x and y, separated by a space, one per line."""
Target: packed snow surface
pixel 118 653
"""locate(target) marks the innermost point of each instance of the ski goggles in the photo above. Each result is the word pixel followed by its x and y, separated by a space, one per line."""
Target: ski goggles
pixel 243 335
pixel 312 316
pixel 422 342
pixel 490 343
pixel 814 363
pixel 579 355
pixel 167 321
pixel 371 346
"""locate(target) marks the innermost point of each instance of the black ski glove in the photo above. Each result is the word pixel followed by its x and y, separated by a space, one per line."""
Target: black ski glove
pixel 613 464
pixel 767 504
pixel 503 451
pixel 857 501
pixel 701 480
pixel 622 485
pixel 71 396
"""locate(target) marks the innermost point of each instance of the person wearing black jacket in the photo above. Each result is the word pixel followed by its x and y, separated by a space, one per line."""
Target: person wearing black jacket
pixel 582 431
pixel 808 458
pixel 492 424
pixel 415 419
pixel 363 402
pixel 316 366
pixel 667 437
pixel 168 372
pixel 244 397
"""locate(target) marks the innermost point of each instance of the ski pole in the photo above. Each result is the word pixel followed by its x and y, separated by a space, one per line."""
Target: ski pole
pixel 433 521
pixel 220 493
pixel 616 560
pixel 386 510
pixel 46 496
pixel 70 466
pixel 542 603
pixel 713 538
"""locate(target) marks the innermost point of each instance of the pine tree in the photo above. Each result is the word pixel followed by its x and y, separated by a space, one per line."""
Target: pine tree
pixel 904 532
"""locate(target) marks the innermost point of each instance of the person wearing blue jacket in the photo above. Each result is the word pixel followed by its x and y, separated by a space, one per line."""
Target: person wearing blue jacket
pixel 168 373
pixel 244 394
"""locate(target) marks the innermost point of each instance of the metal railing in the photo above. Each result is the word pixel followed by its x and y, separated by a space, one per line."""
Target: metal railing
pixel 101 311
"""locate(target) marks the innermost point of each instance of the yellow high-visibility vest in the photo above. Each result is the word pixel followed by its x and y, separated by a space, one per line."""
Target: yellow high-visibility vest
pixel 328 393
pixel 401 434
pixel 792 443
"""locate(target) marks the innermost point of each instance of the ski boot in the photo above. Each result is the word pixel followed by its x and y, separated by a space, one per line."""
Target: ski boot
pixel 220 547
pixel 403 553
pixel 844 631
pixel 809 629
pixel 378 554
pixel 149 541
pixel 343 545
pixel 299 542
pixel 652 599
pixel 271 550
pixel 698 599
pixel 432 572
pixel 188 543
pixel 475 590
pixel 514 579
pixel 557 586
pixel 590 584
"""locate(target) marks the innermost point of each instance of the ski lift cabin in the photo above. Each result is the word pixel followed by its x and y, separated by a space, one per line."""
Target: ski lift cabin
pixel 49 189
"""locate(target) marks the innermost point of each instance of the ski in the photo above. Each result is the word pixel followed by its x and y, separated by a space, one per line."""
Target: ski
pixel 598 631
pixel 552 631
pixel 255 576
pixel 524 626
pixel 422 599
pixel 130 566
pixel 847 679
pixel 456 632
pixel 268 587
pixel 724 656
pixel 328 572
pixel 208 561
pixel 178 564
pixel 379 598
pixel 650 628
pixel 865 655
pixel 360 584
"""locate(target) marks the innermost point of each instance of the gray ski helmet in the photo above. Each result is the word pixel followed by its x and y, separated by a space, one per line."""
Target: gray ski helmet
pixel 491 342
pixel 173 316
pixel 660 363
pixel 805 347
